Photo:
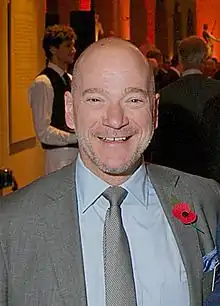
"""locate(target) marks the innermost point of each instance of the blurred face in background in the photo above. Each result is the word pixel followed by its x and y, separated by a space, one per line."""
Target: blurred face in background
pixel 209 69
pixel 64 54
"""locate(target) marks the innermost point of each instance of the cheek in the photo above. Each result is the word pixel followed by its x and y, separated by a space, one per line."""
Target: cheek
pixel 86 119
pixel 144 119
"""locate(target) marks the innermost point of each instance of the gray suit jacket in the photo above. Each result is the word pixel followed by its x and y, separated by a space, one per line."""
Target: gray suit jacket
pixel 40 248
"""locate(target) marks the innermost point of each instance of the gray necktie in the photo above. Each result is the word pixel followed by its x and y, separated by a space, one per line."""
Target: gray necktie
pixel 119 280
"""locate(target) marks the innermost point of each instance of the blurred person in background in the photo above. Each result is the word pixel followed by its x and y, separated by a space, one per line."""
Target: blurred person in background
pixel 209 69
pixel 50 99
pixel 155 57
pixel 166 64
pixel 173 73
pixel 180 140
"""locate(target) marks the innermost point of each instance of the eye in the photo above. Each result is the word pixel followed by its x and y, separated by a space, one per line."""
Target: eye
pixel 93 100
pixel 135 100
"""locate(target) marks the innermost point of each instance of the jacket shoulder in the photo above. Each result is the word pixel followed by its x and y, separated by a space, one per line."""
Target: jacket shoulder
pixel 35 195
pixel 194 182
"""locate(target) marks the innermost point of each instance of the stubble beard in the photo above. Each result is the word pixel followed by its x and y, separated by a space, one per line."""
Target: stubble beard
pixel 125 169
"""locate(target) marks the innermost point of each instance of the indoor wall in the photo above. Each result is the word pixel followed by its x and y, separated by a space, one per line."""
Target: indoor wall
pixel 19 149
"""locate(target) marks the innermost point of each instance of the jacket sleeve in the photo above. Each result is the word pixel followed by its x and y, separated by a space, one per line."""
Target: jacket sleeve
pixel 3 280
pixel 214 297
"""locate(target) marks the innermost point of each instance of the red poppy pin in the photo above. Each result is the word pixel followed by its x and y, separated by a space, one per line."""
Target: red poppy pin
pixel 183 212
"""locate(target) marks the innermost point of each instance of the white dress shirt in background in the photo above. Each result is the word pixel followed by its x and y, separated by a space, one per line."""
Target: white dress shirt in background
pixel 41 96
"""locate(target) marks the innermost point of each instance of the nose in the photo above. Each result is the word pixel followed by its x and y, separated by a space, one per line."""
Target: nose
pixel 115 117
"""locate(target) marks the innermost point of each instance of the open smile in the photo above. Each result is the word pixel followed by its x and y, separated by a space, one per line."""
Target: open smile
pixel 114 139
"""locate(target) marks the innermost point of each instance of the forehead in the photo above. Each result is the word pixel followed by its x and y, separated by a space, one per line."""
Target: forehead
pixel 112 67
pixel 68 42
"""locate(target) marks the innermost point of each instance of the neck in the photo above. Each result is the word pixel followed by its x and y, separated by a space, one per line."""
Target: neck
pixel 111 178
pixel 114 180
pixel 59 64
pixel 191 68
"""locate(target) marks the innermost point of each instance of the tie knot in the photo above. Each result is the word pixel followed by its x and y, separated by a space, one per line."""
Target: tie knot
pixel 115 195
pixel 66 78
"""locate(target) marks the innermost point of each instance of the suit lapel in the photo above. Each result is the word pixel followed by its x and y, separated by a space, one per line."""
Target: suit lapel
pixel 63 239
pixel 167 185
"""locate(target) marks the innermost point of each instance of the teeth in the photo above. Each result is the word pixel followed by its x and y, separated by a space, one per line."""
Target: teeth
pixel 114 138
pixel 110 139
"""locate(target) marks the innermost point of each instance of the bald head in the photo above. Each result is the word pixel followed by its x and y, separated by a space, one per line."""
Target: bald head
pixel 112 57
pixel 109 45
pixel 110 50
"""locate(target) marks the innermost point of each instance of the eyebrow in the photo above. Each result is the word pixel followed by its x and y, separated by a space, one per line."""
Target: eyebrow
pixel 126 91
pixel 136 90
pixel 94 90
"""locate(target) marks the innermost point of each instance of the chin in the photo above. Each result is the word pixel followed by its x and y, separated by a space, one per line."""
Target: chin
pixel 122 170
pixel 70 61
pixel 118 168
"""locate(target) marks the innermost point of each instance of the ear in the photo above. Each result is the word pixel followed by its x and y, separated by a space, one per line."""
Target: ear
pixel 156 110
pixel 69 110
pixel 53 50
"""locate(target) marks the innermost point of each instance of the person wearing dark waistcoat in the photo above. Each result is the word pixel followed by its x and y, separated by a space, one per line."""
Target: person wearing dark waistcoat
pixel 50 98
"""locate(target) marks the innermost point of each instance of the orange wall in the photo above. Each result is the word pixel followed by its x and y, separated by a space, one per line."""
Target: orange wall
pixel 208 12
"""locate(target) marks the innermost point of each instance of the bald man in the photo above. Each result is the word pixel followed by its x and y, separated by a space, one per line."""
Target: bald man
pixel 63 236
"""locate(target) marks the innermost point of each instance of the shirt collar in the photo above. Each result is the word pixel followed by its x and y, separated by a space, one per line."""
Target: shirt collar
pixel 90 187
pixel 56 68
pixel 176 70
pixel 191 71
pixel 136 184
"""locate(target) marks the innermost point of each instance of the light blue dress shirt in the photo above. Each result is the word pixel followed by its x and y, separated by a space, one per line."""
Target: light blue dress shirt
pixel 160 277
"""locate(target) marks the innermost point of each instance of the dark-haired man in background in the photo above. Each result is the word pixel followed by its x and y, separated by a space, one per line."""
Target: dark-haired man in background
pixel 50 97
pixel 155 57
pixel 173 73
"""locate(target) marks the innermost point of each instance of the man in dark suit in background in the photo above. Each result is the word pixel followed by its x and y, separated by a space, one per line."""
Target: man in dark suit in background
pixel 173 73
pixel 179 141
pixel 211 122
pixel 159 73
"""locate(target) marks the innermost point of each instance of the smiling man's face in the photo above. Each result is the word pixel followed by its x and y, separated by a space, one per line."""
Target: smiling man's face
pixel 113 109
